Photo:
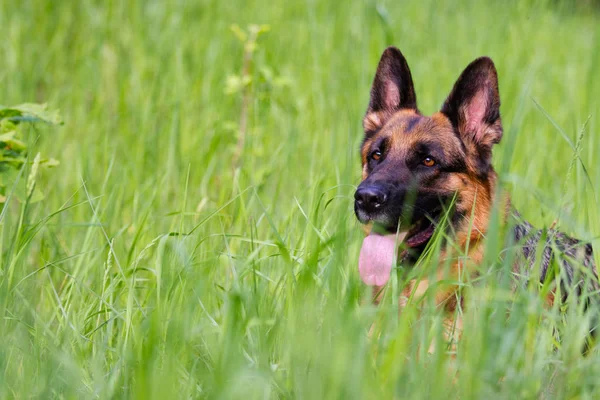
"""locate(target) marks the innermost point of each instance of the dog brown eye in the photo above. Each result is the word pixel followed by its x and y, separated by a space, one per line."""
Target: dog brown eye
pixel 428 162
pixel 376 155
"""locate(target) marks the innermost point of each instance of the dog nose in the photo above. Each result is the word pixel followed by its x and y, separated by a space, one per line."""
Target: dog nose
pixel 369 197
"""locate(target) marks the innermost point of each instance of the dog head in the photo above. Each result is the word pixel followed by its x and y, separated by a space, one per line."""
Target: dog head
pixel 414 165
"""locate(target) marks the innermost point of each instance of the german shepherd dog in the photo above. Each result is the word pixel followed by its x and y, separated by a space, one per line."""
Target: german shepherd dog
pixel 414 166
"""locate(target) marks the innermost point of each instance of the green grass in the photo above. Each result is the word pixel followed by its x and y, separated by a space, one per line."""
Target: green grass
pixel 154 269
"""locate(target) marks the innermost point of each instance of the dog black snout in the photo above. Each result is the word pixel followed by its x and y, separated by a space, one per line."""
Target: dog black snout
pixel 369 197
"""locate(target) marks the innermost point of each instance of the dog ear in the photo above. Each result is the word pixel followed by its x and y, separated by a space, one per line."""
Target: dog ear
pixel 473 105
pixel 391 91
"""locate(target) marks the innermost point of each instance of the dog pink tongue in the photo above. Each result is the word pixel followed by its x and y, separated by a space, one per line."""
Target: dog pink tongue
pixel 376 259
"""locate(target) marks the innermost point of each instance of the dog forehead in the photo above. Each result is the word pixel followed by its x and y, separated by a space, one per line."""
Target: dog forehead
pixel 404 122
pixel 406 128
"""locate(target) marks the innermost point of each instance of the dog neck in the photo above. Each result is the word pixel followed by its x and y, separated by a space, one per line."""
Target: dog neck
pixel 474 209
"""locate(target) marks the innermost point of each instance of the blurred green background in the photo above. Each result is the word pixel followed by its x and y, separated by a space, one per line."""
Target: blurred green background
pixel 169 258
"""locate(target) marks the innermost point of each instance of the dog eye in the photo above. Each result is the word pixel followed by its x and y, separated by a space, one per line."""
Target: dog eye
pixel 428 162
pixel 376 155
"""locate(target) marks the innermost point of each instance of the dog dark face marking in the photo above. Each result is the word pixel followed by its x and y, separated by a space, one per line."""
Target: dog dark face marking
pixel 414 156
pixel 414 165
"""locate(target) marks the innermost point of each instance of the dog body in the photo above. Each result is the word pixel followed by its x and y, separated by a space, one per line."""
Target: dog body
pixel 576 263
pixel 417 168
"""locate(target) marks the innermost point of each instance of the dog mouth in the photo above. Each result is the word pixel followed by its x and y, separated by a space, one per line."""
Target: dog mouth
pixel 420 233
pixel 379 251
pixel 417 233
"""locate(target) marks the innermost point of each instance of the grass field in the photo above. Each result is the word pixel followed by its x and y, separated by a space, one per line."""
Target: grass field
pixel 170 259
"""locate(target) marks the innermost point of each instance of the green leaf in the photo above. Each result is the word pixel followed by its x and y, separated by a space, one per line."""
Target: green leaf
pixel 238 32
pixel 6 136
pixel 50 162
pixel 31 112
pixel 11 143
pixel 7 125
